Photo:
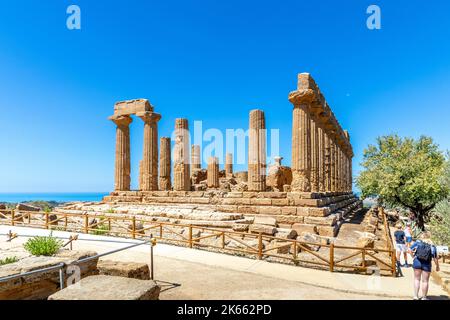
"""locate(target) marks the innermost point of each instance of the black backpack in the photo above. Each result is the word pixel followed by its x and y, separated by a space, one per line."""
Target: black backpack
pixel 423 251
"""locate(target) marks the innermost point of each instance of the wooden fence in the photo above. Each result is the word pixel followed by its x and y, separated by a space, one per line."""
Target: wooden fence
pixel 336 257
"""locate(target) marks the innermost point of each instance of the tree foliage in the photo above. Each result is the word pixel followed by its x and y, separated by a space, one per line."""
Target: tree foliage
pixel 404 172
pixel 440 221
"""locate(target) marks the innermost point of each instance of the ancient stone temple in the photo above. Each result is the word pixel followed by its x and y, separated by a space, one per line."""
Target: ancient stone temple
pixel 315 193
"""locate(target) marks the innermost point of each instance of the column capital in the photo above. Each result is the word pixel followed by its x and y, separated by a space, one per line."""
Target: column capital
pixel 121 121
pixel 149 117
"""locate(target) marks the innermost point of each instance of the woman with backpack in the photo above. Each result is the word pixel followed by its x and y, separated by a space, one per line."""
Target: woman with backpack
pixel 423 252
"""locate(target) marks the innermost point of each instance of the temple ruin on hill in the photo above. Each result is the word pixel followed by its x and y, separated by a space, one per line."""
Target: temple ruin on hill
pixel 315 192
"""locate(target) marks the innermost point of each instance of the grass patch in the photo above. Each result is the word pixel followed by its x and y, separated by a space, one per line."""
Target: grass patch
pixel 43 246
pixel 8 260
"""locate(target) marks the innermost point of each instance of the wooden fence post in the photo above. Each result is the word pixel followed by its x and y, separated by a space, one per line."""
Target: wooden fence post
pixel 363 253
pixel 133 227
pixel 160 231
pixel 65 222
pixel 260 253
pixel 46 220
pixel 223 240
pixel 13 217
pixel 86 224
pixel 332 257
pixel 394 263
pixel 295 250
pixel 190 236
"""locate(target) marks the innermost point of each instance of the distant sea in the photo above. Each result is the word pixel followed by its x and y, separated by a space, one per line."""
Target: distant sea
pixel 54 196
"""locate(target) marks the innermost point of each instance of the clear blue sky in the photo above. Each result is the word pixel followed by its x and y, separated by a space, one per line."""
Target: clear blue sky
pixel 212 61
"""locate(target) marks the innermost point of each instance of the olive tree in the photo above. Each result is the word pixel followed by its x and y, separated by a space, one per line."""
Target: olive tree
pixel 405 172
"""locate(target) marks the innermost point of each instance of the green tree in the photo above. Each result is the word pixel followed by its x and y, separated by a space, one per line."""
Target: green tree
pixel 440 221
pixel 404 172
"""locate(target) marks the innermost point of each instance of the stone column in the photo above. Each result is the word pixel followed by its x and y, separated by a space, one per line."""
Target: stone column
pixel 327 170
pixel 338 172
pixel 333 164
pixel 150 157
pixel 196 162
pixel 165 164
pixel 314 156
pixel 350 173
pixel 181 169
pixel 257 151
pixel 213 172
pixel 122 178
pixel 301 149
pixel 229 165
pixel 140 175
pixel 322 166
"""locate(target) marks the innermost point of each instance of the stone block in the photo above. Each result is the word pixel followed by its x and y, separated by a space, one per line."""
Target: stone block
pixel 270 221
pixel 328 231
pixel 264 229
pixel 103 287
pixel 27 207
pixel 261 201
pixel 269 210
pixel 124 269
pixel 302 228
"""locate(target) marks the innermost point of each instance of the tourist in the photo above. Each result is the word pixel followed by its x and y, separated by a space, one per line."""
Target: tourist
pixel 400 245
pixel 408 234
pixel 424 252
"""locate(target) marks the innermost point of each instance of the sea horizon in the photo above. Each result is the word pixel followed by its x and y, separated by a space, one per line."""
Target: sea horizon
pixel 15 197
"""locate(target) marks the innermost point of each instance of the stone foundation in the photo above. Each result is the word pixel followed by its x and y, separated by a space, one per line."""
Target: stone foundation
pixel 291 210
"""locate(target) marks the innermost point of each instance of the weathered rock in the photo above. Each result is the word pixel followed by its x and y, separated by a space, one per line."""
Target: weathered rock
pixel 124 269
pixel 286 233
pixel 2 206
pixel 103 287
pixel 264 229
pixel 27 207
pixel 265 220
pixel 241 176
pixel 240 227
pixel 301 228
pixel 278 175
pixel 365 242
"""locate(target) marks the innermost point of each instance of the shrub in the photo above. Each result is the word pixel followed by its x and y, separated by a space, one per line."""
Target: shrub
pixel 440 224
pixel 101 229
pixel 8 260
pixel 43 246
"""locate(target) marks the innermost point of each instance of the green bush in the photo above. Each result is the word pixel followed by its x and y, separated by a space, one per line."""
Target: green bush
pixel 8 260
pixel 43 246
pixel 440 224
pixel 101 230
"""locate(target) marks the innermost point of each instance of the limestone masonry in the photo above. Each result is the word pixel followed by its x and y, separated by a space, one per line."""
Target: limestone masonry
pixel 314 194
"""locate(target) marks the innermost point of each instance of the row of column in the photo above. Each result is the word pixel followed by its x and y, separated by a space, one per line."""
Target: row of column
pixel 320 161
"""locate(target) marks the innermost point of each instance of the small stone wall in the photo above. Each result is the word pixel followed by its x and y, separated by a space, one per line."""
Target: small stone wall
pixel 40 286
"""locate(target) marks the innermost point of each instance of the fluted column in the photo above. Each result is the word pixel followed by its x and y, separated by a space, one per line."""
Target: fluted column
pixel 257 151
pixel 350 173
pixel 314 156
pixel 122 165
pixel 213 172
pixel 229 165
pixel 165 182
pixel 181 169
pixel 327 170
pixel 150 149
pixel 301 149
pixel 322 166
pixel 333 164
pixel 196 162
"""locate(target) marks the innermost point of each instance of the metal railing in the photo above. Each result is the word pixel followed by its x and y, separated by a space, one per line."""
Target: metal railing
pixel 335 258
pixel 61 266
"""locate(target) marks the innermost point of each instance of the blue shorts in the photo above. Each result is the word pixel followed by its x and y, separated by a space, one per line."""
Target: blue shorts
pixel 408 239
pixel 422 265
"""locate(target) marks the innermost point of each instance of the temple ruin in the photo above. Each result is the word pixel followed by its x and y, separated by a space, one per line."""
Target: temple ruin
pixel 315 191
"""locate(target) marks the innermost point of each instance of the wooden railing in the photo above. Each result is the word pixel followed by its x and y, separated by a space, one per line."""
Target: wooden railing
pixel 334 258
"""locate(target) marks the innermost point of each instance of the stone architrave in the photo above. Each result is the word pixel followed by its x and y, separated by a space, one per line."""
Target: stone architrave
pixel 213 172
pixel 122 178
pixel 165 164
pixel 181 168
pixel 257 151
pixel 150 150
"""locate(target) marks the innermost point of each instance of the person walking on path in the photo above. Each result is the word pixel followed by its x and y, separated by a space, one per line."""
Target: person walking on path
pixel 424 252
pixel 400 245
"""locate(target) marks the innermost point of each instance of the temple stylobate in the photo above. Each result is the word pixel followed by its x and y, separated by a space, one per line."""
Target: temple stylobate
pixel 321 149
